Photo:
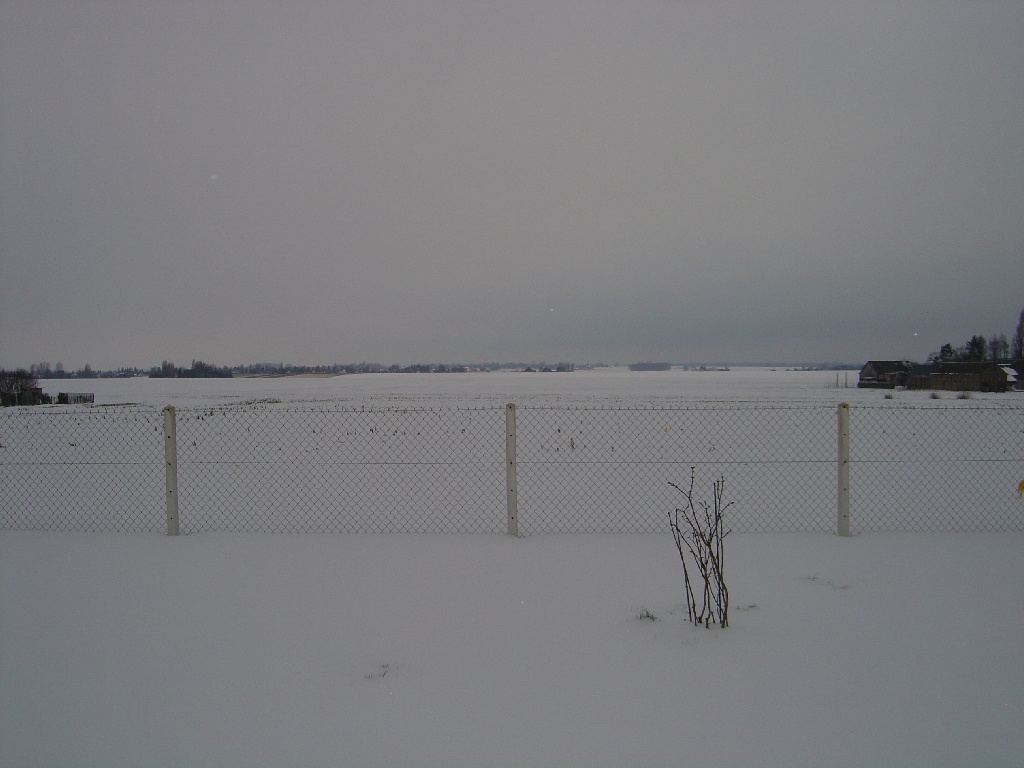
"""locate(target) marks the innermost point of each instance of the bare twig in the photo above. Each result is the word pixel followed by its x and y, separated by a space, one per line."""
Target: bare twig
pixel 702 534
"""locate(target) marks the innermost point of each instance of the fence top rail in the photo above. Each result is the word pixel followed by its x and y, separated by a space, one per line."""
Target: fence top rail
pixel 81 409
pixel 270 406
pixel 700 406
pixel 962 405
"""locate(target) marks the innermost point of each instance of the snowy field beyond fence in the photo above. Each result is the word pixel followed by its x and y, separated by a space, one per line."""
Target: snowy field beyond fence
pixel 555 463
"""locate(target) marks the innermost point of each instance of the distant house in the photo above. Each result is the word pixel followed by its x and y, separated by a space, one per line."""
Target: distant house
pixel 28 396
pixel 885 374
pixel 972 377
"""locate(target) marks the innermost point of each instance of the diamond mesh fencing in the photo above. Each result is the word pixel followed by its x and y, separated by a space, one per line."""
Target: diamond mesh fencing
pixel 272 469
pixel 593 470
pixel 82 469
pixel 277 468
pixel 936 468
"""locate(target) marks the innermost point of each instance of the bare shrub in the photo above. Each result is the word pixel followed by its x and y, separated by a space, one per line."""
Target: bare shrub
pixel 698 530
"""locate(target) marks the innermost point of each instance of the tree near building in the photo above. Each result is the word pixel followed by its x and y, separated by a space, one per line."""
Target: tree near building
pixel 998 347
pixel 13 384
pixel 1017 344
pixel 945 354
pixel 975 349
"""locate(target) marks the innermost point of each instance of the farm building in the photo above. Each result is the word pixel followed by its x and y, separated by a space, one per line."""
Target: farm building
pixel 885 374
pixel 29 396
pixel 967 377
pixel 920 375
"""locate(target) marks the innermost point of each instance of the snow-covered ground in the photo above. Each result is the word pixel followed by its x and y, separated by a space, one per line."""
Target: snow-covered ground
pixel 431 650
pixel 435 650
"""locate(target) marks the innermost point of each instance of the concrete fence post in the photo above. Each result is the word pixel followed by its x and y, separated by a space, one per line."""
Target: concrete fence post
pixel 843 523
pixel 171 470
pixel 511 489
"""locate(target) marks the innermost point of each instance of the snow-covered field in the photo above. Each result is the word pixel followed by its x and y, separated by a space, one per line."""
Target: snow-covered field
pixel 434 650
pixel 244 650
pixel 600 386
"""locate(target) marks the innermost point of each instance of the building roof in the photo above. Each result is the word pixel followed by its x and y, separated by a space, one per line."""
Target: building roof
pixel 888 366
pixel 973 366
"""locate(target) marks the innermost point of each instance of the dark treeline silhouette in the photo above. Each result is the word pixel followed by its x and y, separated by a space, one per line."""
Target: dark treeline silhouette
pixel 978 349
pixel 46 371
pixel 199 370
pixel 17 386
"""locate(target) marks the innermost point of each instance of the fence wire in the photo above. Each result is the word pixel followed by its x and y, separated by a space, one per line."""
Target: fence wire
pixel 341 471
pixel 593 470
pixel 82 469
pixel 936 468
pixel 275 468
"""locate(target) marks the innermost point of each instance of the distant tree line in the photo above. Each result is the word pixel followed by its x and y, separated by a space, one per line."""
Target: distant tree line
pixel 46 371
pixel 199 370
pixel 650 366
pixel 997 348
pixel 282 369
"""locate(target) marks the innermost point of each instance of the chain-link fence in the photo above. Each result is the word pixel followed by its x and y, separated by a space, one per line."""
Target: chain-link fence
pixel 936 468
pixel 275 468
pixel 609 470
pixel 81 469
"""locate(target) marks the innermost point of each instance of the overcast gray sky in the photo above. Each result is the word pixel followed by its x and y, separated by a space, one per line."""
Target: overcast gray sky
pixel 317 182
